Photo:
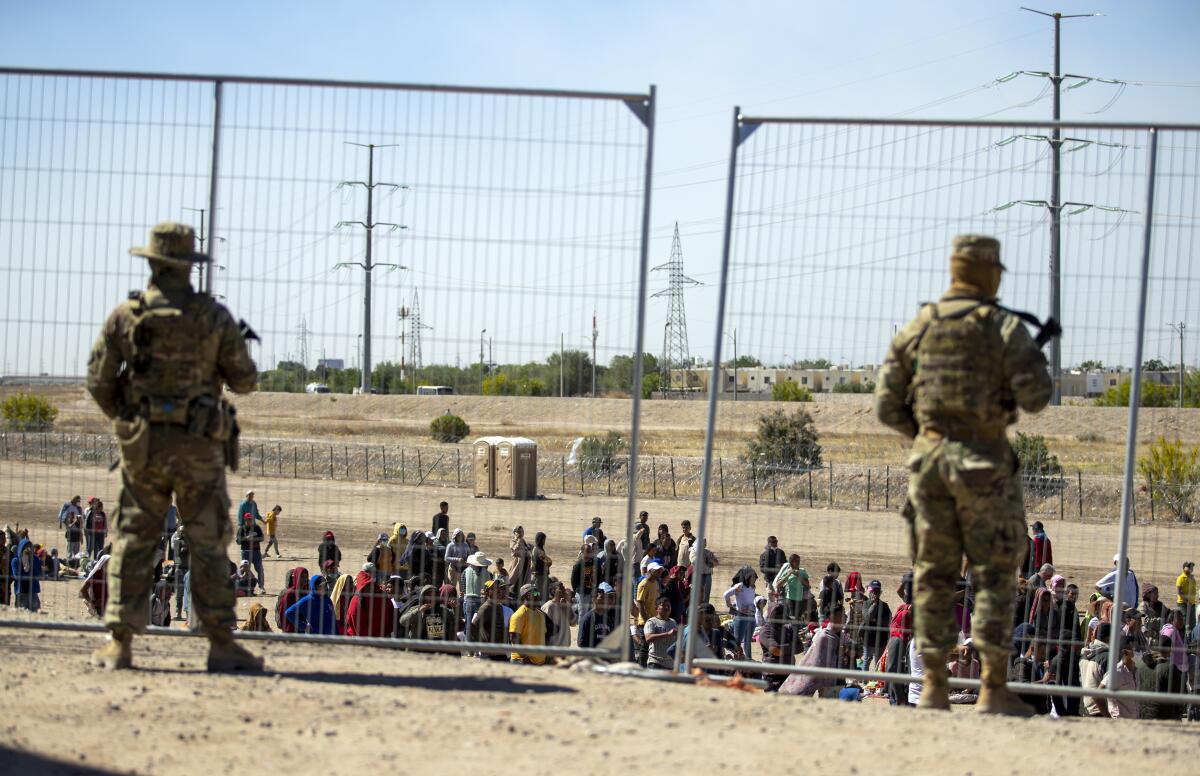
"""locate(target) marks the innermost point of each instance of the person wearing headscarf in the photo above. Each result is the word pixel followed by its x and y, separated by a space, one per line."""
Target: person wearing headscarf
pixel 243 580
pixel 297 583
pixel 521 570
pixel 610 565
pixel 26 571
pixel 398 539
pixel 441 540
pixel 256 620
pixel 94 590
pixel 369 612
pixel 404 563
pixel 1153 611
pixel 456 556
pixel 342 590
pixel 540 563
pixel 328 550
pixel 314 612
pixel 382 557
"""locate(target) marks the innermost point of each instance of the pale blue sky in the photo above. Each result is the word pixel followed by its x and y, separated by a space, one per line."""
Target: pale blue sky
pixel 772 58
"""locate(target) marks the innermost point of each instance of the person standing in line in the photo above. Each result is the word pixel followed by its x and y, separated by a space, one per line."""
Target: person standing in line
pixel 771 560
pixel 600 619
pixel 328 551
pixel 441 519
pixel 541 566
pixel 456 556
pixel 685 543
pixel 69 508
pixel 474 578
pixel 73 535
pixel 561 615
pixel 740 600
pixel 791 584
pixel 95 524
pixel 527 627
pixel 1043 550
pixel 248 504
pixel 250 536
pixel 158 371
pixel 271 521
pixel 1186 593
pixel 659 632
pixel 876 625
pixel 585 575
pixel 952 382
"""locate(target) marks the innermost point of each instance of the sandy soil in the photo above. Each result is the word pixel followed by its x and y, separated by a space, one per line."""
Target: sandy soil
pixel 872 542
pixel 671 427
pixel 353 710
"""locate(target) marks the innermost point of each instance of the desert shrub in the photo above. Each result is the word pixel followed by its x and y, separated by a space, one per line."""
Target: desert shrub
pixel 784 441
pixel 867 387
pixel 1172 474
pixel 449 428
pixel 1153 395
pixel 1089 436
pixel 790 390
pixel 601 455
pixel 1034 456
pixel 28 412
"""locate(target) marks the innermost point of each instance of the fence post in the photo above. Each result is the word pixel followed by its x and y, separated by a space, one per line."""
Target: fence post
pixel 295 462
pixel 774 479
pixel 402 459
pixel 610 480
pixel 653 478
pixel 458 465
pixel 1062 495
pixel 24 448
pixel 367 463
pixel 721 475
pixel 331 463
pixel 420 468
pixel 868 489
pixel 563 459
pixel 582 489
pixel 45 451
pixel 754 480
pixel 279 452
pixel 383 459
pixel 1079 475
pixel 346 453
pixel 1151 493
pixel 674 494
pixel 831 483
pixel 887 487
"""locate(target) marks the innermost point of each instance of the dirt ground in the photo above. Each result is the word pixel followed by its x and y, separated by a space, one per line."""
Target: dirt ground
pixel 873 543
pixel 321 709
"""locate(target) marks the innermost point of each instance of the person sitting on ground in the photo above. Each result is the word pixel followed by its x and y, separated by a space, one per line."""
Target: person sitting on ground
pixel 963 664
pixel 778 640
pixel 527 627
pixel 1122 677
pixel 1156 673
pixel 328 551
pixel 314 612
pixel 244 580
pixel 256 620
pixel 823 653
pixel 659 631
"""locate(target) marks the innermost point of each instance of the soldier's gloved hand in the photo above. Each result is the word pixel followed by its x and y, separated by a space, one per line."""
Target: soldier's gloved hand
pixel 1051 329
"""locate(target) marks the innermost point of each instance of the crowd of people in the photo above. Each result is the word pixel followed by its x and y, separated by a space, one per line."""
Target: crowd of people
pixel 438 584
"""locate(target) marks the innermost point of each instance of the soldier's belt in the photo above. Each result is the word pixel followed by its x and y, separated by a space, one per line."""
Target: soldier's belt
pixel 960 435
pixel 167 411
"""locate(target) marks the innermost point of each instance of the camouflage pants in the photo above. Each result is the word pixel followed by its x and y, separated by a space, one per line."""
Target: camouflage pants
pixel 193 469
pixel 967 502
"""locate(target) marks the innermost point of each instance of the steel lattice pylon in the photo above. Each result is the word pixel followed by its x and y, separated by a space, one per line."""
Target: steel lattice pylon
pixel 675 336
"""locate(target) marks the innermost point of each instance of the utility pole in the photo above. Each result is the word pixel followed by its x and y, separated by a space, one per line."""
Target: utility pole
pixel 1180 327
pixel 1055 204
pixel 735 364
pixel 367 266
pixel 595 334
pixel 562 347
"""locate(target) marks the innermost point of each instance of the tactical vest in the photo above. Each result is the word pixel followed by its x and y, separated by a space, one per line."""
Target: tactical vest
pixel 172 355
pixel 958 387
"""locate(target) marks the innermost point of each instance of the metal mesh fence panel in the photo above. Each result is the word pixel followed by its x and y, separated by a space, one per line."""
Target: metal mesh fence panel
pixel 408 255
pixel 837 231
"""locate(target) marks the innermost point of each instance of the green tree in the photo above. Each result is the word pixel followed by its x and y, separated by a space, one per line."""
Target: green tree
pixel 600 455
pixel 1153 395
pixel 1034 456
pixel 744 362
pixel 790 390
pixel 864 387
pixel 1091 365
pixel 1155 365
pixel 651 383
pixel 618 377
pixel 784 441
pixel 576 372
pixel 1172 475
pixel 28 412
pixel 448 428
pixel 814 363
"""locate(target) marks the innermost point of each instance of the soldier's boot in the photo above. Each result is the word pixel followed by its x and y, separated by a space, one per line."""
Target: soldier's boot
pixel 116 653
pixel 994 696
pixel 935 687
pixel 226 655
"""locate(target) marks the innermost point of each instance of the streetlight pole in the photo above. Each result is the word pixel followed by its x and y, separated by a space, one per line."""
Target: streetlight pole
pixel 482 368
pixel 1180 327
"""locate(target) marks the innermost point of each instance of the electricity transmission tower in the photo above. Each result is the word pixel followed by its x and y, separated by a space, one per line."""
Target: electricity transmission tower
pixel 675 336
pixel 303 341
pixel 370 184
pixel 410 337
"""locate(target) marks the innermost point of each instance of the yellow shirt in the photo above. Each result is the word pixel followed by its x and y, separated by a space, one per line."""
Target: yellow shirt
pixel 270 522
pixel 530 625
pixel 647 595
pixel 1188 585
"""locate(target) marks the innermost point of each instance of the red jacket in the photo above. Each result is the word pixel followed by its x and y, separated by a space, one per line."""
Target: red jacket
pixel 370 611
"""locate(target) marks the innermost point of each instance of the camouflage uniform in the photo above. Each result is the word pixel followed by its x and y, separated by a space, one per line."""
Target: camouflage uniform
pixel 952 382
pixel 157 371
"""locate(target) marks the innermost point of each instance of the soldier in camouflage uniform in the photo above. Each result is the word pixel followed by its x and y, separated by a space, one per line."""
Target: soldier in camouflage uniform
pixel 952 382
pixel 157 371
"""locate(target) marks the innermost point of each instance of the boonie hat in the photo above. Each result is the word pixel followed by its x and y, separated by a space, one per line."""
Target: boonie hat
pixel 977 248
pixel 171 243
pixel 478 560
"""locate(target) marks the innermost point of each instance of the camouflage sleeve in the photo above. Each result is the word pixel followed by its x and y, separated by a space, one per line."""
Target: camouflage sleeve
pixel 1025 367
pixel 233 358
pixel 891 388
pixel 104 367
